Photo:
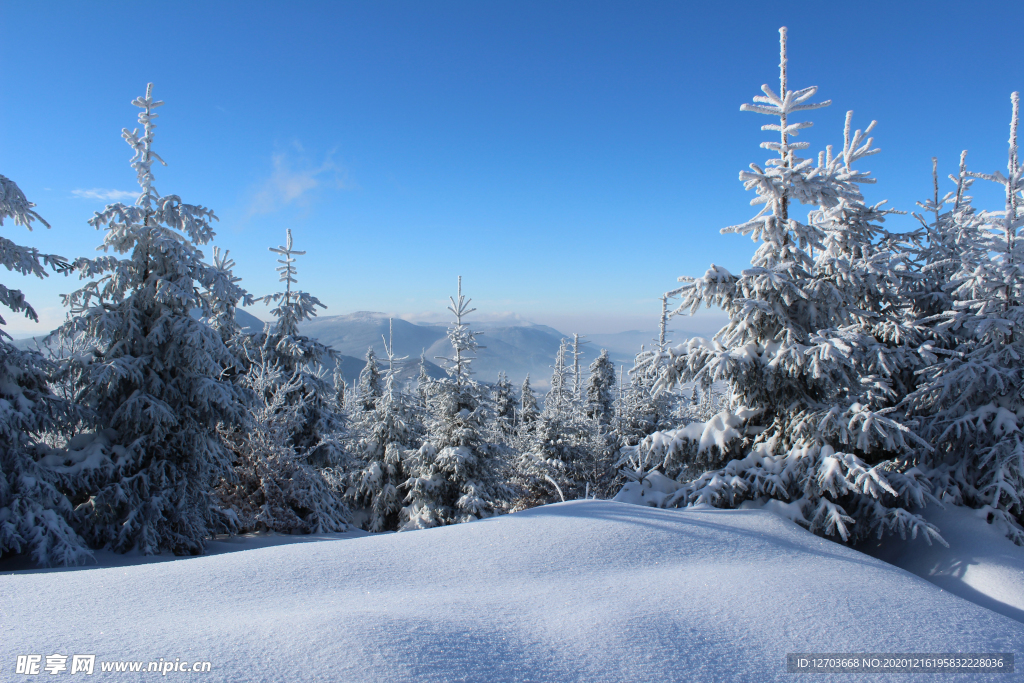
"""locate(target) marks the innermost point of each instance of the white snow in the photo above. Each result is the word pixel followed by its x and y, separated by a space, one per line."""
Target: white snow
pixel 980 564
pixel 585 590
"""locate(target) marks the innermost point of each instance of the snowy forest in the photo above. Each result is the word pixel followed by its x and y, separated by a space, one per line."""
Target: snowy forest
pixel 863 375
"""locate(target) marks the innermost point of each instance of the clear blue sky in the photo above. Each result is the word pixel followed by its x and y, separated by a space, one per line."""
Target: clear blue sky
pixel 569 159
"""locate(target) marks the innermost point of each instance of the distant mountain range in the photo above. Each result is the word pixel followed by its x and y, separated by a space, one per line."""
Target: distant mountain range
pixel 516 349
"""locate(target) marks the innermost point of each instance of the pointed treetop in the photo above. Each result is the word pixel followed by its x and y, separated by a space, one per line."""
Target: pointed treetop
pixel 461 307
pixel 783 104
pixel 1014 121
pixel 142 162
pixel 287 269
pixel 389 349
pixel 463 340
pixel 783 59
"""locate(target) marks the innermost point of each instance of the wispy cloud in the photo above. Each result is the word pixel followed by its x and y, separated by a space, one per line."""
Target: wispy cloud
pixel 106 195
pixel 294 178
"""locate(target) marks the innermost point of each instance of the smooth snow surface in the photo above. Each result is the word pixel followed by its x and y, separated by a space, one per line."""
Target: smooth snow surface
pixel 586 590
pixel 980 564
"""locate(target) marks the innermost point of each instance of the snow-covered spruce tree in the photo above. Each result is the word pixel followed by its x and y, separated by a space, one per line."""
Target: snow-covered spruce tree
pixel 370 389
pixel 456 476
pixel 973 398
pixel 34 513
pixel 528 405
pixel 223 305
pixel 644 410
pixel 813 355
pixel 637 415
pixel 552 464
pixel 296 354
pixel 559 398
pixel 600 472
pixel 601 389
pixel 577 372
pixel 506 409
pixel 936 249
pixel 338 379
pixel 381 470
pixel 424 386
pixel 274 488
pixel 155 380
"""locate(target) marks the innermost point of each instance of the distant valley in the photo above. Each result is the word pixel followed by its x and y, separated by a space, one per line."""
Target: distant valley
pixel 515 349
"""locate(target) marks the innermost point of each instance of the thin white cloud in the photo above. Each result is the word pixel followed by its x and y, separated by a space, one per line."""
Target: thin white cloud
pixel 106 195
pixel 293 179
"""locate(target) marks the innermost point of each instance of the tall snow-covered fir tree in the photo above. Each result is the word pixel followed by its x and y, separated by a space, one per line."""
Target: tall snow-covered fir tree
pixel 972 397
pixel 455 475
pixel 283 451
pixel 637 415
pixel 424 385
pixel 599 472
pixel 577 372
pixel 382 452
pixel 938 249
pixel 274 487
pixel 557 457
pixel 814 355
pixel 298 355
pixel 527 405
pixel 601 389
pixel 559 398
pixel 506 408
pixel 34 512
pixel 155 380
pixel 369 389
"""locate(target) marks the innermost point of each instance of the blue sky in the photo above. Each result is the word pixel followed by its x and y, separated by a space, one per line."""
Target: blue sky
pixel 569 159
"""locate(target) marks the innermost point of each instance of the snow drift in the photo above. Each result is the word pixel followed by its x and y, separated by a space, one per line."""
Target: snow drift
pixel 586 590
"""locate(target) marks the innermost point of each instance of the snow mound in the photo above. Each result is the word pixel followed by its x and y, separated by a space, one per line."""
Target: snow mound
pixel 586 590
pixel 980 564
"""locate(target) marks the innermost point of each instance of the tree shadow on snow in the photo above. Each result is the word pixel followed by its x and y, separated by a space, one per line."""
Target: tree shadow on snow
pixel 676 521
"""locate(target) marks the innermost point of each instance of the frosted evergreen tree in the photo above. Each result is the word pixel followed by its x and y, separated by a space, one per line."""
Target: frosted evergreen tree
pixel 298 355
pixel 370 389
pixel 645 409
pixel 275 488
pixel 637 414
pixel 601 389
pixel 34 512
pixel 456 475
pixel 559 396
pixel 936 248
pixel 155 381
pixel 599 472
pixel 973 397
pixel 528 404
pixel 223 309
pixel 577 374
pixel 424 385
pixel 811 355
pixel 505 406
pixel 339 389
pixel 559 450
pixel 375 485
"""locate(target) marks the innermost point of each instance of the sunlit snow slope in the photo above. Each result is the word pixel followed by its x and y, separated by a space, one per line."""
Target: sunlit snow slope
pixel 587 590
